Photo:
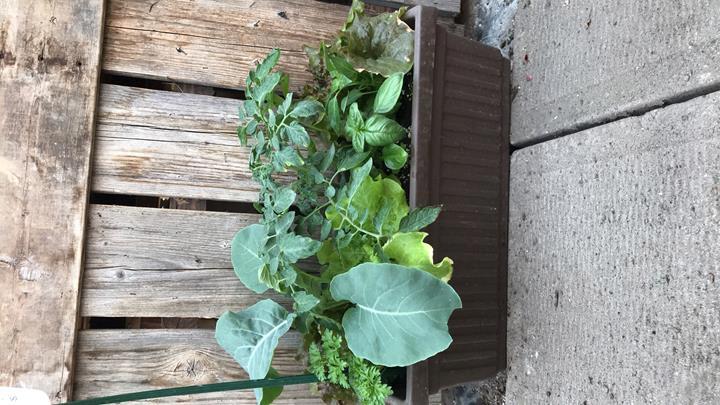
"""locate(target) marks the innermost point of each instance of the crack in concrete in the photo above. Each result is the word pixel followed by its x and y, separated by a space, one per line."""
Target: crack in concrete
pixel 679 98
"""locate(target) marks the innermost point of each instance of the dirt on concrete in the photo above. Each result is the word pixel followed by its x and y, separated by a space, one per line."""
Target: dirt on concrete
pixel 487 392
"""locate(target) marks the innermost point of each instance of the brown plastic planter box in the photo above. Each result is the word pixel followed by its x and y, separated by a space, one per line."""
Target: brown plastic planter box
pixel 460 159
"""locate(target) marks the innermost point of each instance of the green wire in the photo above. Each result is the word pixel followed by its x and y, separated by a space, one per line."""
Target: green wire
pixel 199 389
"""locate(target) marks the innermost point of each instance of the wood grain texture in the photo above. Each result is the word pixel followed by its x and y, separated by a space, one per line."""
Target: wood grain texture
pixel 49 65
pixel 445 7
pixel 211 42
pixel 148 262
pixel 161 143
pixel 119 361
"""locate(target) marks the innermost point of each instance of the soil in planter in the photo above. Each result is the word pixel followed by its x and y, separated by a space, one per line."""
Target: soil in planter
pixel 404 118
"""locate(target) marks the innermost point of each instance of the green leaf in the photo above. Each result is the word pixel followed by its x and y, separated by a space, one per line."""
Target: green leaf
pixel 297 134
pixel 330 192
pixel 344 239
pixel 307 109
pixel 288 157
pixel 245 256
pixel 358 176
pixel 250 336
pixel 250 107
pixel 380 131
pixel 284 222
pixel 325 230
pixel 289 275
pixel 251 126
pixel 367 382
pixel 381 44
pixel 408 249
pixel 327 158
pixel 283 109
pixel 269 394
pixel 295 247
pixel 284 198
pixel 315 175
pixel 352 161
pixel 272 120
pixel 419 218
pixel 351 97
pixel 316 364
pixel 261 91
pixel 333 114
pixel 315 57
pixel 339 261
pixel 241 113
pixel 340 67
pixel 380 217
pixel 357 8
pixel 394 156
pixel 340 82
pixel 355 123
pixel 388 94
pixel 358 142
pixel 242 134
pixel 266 65
pixel 327 322
pixel 400 314
pixel 284 83
pixel 272 268
pixel 372 196
pixel 304 301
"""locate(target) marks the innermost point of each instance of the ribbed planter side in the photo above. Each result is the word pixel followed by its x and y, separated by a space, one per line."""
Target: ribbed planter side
pixel 460 160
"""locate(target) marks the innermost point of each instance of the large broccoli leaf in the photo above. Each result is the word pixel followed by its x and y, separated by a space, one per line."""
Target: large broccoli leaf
pixel 400 314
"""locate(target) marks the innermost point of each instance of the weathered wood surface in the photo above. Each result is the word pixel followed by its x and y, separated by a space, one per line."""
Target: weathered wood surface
pixel 214 43
pixel 119 361
pixel 149 262
pixel 161 143
pixel 445 7
pixel 49 65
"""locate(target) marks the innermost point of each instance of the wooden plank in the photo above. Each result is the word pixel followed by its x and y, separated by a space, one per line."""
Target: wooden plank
pixel 182 204
pixel 447 8
pixel 149 262
pixel 119 361
pixel 214 43
pixel 161 143
pixel 49 65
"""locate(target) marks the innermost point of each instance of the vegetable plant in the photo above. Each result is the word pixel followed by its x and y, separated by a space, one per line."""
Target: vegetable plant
pixel 329 163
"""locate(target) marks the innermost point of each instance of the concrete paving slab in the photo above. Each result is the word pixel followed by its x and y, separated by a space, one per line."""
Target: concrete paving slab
pixel 591 61
pixel 614 267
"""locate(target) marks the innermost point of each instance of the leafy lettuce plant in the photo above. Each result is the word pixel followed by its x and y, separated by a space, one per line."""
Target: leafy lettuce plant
pixel 327 165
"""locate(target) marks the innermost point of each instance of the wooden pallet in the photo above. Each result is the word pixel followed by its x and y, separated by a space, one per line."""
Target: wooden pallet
pixel 145 263
pixel 165 121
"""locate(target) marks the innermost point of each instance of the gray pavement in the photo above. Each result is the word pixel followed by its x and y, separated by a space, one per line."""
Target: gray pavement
pixel 614 264
pixel 579 63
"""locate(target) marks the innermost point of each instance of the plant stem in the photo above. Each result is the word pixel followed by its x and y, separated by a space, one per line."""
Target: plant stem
pixel 314 211
pixel 341 212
